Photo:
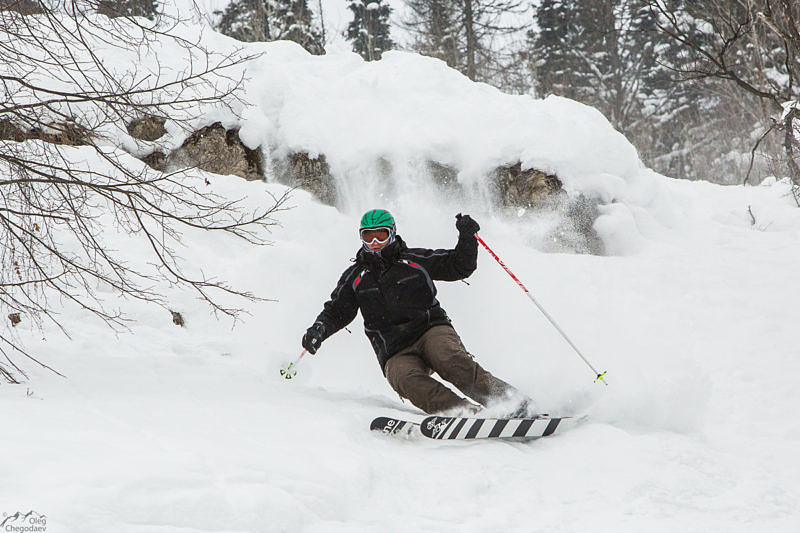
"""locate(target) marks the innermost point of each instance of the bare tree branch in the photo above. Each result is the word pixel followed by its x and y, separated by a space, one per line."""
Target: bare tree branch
pixel 58 204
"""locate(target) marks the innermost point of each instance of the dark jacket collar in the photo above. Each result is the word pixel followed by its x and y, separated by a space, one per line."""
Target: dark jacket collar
pixel 383 259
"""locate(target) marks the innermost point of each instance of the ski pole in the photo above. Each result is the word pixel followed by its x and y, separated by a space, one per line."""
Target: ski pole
pixel 290 370
pixel 600 375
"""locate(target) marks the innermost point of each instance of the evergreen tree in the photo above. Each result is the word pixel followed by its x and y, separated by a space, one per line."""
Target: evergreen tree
pixel 271 20
pixel 552 45
pixel 667 131
pixel 591 51
pixel 435 26
pixel 469 35
pixel 606 53
pixel 579 52
pixel 369 29
pixel 614 56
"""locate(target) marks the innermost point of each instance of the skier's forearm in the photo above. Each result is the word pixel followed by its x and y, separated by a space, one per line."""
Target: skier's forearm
pixel 342 308
pixel 334 319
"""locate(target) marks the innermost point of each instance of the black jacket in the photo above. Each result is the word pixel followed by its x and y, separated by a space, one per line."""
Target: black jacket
pixel 395 292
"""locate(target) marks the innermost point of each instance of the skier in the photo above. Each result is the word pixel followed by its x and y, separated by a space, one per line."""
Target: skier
pixel 411 334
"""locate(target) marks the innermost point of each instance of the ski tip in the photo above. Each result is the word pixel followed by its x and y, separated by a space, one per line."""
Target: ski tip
pixel 393 426
pixel 381 422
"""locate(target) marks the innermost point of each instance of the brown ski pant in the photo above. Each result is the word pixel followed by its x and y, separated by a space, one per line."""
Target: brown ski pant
pixel 440 350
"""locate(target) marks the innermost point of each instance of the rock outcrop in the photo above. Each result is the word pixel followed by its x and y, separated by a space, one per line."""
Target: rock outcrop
pixel 67 133
pixel 213 149
pixel 313 175
pixel 147 128
pixel 218 150
pixel 526 188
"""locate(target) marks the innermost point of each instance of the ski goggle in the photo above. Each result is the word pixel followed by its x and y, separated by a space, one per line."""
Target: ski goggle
pixel 373 235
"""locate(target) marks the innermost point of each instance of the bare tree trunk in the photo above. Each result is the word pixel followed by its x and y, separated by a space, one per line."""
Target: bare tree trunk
pixel 469 28
pixel 369 29
pixel 790 143
pixel 322 23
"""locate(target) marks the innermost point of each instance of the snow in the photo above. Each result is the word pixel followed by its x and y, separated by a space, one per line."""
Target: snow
pixel 168 429
pixel 171 429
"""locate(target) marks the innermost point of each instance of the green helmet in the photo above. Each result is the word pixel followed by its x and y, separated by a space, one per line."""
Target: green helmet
pixel 378 218
pixel 374 219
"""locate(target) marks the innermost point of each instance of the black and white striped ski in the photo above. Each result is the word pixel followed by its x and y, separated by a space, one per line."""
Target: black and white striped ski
pixel 451 428
pixel 460 428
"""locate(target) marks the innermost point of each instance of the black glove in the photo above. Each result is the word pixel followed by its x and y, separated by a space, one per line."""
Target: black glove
pixel 466 226
pixel 313 337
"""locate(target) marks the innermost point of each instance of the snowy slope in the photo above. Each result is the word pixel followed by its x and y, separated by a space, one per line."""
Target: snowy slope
pixel 169 429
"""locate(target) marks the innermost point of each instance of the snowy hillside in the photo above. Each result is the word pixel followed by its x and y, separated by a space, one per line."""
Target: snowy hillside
pixel 169 429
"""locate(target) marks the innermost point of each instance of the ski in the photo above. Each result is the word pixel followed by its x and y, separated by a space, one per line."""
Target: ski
pixel 449 428
pixel 394 426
